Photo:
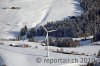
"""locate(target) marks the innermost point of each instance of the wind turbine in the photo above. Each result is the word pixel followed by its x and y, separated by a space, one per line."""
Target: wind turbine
pixel 47 36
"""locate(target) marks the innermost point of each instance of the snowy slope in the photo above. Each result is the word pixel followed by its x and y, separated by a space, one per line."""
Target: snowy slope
pixel 61 9
pixel 30 13
pixel 33 13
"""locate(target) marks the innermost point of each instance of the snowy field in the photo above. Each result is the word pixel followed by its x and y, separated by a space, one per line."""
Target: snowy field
pixel 18 56
pixel 15 14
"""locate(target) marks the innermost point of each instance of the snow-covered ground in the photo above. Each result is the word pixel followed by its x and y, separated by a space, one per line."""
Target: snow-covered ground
pixel 27 57
pixel 18 56
pixel 33 13
pixel 82 38
pixel 88 50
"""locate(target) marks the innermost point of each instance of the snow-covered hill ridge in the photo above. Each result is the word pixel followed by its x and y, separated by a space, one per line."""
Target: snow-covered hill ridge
pixel 14 14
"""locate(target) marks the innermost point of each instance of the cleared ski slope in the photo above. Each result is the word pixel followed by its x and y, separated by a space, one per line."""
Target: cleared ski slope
pixel 33 13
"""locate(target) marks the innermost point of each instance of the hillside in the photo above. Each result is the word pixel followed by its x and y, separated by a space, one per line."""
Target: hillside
pixel 14 14
pixel 85 25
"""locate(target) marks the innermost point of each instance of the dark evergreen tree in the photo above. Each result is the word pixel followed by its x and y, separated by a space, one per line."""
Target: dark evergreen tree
pixel 31 33
pixel 23 31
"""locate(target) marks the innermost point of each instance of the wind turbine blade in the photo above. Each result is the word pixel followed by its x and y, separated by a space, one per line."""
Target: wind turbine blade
pixel 44 28
pixel 52 30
